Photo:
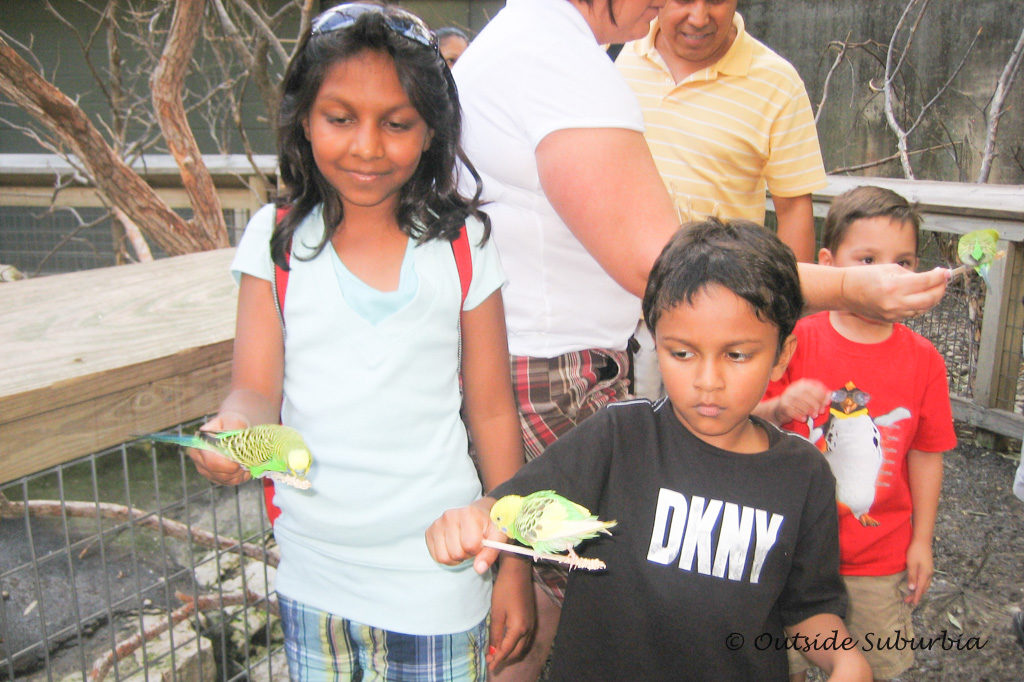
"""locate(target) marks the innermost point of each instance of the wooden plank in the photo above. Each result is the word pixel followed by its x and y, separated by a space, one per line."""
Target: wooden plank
pixel 999 354
pixel 86 197
pixel 53 437
pixel 1004 423
pixel 91 359
pixel 958 198
pixel 64 327
pixel 158 168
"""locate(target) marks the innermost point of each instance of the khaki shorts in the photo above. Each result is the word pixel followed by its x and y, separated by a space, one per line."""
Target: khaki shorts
pixel 875 614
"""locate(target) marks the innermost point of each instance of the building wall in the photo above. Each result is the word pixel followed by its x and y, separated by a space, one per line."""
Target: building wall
pixel 852 125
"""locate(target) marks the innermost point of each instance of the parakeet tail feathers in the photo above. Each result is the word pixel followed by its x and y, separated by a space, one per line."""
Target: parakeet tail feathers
pixel 584 528
pixel 188 441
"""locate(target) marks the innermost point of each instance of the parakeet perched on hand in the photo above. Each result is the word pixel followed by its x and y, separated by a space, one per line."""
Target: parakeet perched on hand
pixel 546 521
pixel 263 449
pixel 978 249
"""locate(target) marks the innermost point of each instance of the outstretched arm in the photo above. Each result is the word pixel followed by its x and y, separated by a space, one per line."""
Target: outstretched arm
pixel 605 187
pixel 882 292
pixel 494 424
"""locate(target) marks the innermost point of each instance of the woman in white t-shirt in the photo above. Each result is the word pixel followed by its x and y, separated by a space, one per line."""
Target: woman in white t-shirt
pixel 579 214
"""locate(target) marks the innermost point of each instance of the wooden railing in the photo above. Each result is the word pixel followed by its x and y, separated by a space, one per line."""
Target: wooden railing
pixel 93 358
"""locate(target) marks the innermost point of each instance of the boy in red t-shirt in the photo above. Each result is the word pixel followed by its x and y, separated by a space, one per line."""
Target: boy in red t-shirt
pixel 875 398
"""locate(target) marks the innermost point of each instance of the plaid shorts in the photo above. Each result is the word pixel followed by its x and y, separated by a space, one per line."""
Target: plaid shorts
pixel 321 647
pixel 556 394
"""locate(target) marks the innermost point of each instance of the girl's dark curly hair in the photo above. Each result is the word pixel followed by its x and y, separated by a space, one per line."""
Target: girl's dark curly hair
pixel 429 205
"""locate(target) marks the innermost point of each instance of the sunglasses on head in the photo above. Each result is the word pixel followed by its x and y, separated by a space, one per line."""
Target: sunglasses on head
pixel 397 20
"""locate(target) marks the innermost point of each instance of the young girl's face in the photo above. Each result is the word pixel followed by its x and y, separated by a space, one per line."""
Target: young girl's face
pixel 716 357
pixel 366 135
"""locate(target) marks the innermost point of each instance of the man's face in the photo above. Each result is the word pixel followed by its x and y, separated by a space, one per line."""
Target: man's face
pixel 696 33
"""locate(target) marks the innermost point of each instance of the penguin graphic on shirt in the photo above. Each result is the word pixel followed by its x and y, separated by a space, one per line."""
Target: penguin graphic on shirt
pixel 853 448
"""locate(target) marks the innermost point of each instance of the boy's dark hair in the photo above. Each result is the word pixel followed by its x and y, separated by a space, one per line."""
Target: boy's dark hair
pixel 739 255
pixel 866 201
pixel 430 205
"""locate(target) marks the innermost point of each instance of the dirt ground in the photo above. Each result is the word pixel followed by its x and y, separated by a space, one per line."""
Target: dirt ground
pixel 979 561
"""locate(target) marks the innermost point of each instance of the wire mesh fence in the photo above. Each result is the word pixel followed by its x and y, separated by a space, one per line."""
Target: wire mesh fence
pixel 127 565
pixel 40 241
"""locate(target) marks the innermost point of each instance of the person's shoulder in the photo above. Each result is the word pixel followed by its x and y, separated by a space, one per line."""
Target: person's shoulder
pixel 474 231
pixel 263 220
pixel 766 61
pixel 628 415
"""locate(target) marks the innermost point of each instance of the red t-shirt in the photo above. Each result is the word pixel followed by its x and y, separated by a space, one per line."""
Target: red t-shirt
pixel 888 398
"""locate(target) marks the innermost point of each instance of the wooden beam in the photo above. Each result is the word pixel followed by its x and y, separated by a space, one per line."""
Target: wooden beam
pixel 999 354
pixel 94 358
pixel 1004 423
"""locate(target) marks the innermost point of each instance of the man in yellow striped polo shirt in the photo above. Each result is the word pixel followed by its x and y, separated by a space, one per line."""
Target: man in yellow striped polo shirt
pixel 725 118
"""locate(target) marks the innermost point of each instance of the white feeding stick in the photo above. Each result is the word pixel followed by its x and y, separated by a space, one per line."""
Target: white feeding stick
pixel 572 561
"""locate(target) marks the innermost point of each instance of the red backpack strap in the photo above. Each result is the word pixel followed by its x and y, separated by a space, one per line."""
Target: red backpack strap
pixel 280 286
pixel 463 262
pixel 280 281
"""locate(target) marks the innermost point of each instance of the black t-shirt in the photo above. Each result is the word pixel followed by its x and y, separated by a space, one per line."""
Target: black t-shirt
pixel 714 552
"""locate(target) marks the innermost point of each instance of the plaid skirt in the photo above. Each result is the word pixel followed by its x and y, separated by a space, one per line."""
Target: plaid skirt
pixel 553 396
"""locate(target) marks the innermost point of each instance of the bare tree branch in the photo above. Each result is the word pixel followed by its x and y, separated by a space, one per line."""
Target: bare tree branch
pixel 20 83
pixel 167 82
pixel 996 110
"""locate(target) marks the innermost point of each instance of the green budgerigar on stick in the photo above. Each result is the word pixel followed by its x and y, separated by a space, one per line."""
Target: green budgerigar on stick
pixel 548 523
pixel 265 450
pixel 976 250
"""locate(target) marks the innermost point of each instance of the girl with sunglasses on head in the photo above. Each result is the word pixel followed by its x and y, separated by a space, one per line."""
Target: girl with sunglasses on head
pixel 365 361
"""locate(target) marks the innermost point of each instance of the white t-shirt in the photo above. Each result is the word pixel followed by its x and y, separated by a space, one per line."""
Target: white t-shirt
pixel 378 405
pixel 534 69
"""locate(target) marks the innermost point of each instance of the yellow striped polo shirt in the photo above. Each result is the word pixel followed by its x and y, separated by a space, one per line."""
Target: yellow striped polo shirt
pixel 725 133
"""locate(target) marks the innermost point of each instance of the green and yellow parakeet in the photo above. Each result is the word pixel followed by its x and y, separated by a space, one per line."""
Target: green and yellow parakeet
pixel 546 521
pixel 263 449
pixel 978 249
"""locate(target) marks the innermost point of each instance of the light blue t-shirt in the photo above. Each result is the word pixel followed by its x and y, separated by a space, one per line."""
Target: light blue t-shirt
pixel 373 304
pixel 378 405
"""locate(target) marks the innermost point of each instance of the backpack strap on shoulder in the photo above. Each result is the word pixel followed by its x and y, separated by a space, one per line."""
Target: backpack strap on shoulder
pixel 463 262
pixel 280 281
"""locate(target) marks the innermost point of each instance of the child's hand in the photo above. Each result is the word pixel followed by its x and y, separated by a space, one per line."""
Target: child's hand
pixel 459 534
pixel 218 468
pixel 802 399
pixel 889 292
pixel 513 611
pixel 920 569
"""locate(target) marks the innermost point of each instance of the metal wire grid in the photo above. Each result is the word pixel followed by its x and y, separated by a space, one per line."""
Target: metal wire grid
pixel 78 582
pixel 54 242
